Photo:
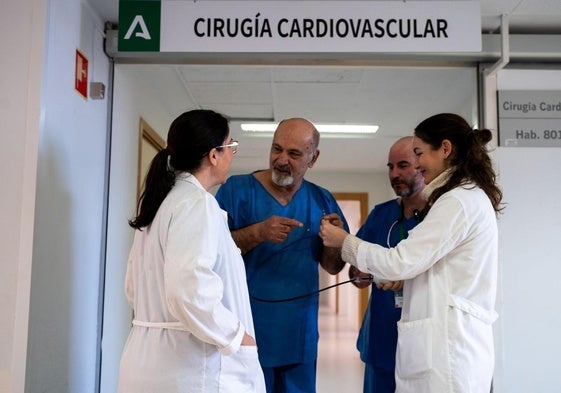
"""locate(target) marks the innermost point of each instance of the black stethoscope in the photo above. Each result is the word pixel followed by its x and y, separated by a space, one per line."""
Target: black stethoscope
pixel 356 279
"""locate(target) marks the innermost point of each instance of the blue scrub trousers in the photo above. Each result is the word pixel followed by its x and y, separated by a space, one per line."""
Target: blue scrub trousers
pixel 377 380
pixel 294 378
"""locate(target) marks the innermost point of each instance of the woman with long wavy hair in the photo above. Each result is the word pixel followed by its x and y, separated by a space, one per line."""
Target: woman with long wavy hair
pixel 448 263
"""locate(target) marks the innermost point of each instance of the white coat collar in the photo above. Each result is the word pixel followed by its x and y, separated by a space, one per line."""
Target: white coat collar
pixel 189 178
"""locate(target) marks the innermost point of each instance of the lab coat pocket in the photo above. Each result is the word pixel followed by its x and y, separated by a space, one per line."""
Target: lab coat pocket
pixel 240 371
pixel 473 309
pixel 471 325
pixel 414 348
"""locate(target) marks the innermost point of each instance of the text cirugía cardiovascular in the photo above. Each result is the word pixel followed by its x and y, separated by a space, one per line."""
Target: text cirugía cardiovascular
pixel 259 27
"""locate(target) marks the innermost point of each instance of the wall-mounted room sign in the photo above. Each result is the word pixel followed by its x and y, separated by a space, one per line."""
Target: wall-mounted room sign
pixel 529 118
pixel 183 26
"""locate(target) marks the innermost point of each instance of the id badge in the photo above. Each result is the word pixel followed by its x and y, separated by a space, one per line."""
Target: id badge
pixel 398 299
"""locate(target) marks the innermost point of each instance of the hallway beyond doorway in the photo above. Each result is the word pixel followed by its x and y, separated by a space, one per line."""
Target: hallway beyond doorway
pixel 339 368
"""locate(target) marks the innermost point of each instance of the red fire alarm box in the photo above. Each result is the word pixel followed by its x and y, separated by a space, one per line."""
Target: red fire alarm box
pixel 81 77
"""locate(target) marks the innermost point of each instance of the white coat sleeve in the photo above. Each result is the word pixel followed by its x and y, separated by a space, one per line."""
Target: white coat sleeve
pixel 441 231
pixel 193 289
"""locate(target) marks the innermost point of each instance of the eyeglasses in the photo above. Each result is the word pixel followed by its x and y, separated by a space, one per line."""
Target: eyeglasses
pixel 232 145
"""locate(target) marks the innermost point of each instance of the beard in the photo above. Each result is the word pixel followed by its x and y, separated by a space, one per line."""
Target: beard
pixel 402 192
pixel 411 186
pixel 406 191
pixel 281 179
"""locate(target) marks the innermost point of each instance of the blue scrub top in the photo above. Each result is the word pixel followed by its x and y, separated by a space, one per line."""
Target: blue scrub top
pixel 286 332
pixel 377 338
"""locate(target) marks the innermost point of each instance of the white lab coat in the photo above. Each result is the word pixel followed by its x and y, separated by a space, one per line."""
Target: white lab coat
pixel 186 283
pixel 449 264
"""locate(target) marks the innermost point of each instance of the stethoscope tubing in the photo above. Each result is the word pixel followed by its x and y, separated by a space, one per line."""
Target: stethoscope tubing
pixel 314 293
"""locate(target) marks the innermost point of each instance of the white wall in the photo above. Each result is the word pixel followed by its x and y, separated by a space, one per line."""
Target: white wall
pixel 20 78
pixel 377 185
pixel 530 228
pixel 64 324
pixel 132 99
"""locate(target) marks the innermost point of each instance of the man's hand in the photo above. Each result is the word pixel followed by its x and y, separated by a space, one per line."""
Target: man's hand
pixel 334 219
pixel 361 279
pixel 275 229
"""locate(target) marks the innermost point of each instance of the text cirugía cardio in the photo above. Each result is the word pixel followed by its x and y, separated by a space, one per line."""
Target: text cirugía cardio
pixel 532 107
pixel 259 27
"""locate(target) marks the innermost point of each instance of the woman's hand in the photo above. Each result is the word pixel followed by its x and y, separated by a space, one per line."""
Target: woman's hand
pixel 390 285
pixel 331 235
pixel 247 340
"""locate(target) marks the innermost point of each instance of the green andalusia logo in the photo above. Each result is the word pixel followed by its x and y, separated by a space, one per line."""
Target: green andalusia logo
pixel 139 25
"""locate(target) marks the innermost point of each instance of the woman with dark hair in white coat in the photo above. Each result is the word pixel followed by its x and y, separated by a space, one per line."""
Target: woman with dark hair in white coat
pixel 192 328
pixel 449 263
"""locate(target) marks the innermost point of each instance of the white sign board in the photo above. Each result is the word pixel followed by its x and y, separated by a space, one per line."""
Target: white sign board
pixel 301 26
pixel 529 118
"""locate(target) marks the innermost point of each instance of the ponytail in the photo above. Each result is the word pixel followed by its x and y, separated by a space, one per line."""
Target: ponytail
pixel 159 181
pixel 192 135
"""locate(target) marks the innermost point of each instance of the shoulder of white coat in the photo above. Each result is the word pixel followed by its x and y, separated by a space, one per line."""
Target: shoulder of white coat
pixel 185 194
pixel 473 199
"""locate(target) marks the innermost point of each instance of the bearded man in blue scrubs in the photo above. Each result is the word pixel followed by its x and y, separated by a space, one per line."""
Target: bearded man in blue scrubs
pixel 274 217
pixel 386 225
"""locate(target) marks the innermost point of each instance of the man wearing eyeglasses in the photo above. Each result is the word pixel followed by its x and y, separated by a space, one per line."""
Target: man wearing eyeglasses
pixel 387 224
pixel 274 217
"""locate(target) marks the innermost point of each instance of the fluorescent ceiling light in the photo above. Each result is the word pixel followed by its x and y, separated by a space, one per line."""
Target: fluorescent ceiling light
pixel 322 128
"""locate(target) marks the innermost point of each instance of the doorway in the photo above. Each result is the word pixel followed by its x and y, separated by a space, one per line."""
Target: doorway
pixel 159 92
